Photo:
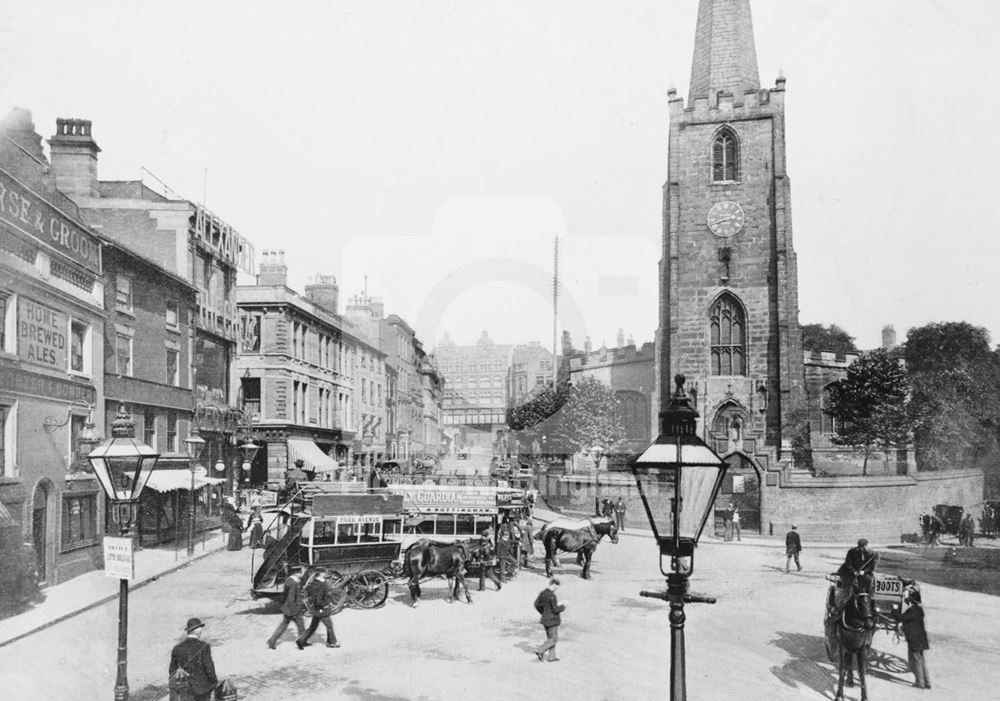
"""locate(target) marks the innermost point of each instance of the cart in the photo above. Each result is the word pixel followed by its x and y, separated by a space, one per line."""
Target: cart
pixel 343 535
pixel 890 591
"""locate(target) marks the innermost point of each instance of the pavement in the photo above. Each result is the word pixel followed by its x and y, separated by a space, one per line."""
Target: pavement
pixel 95 588
pixel 764 638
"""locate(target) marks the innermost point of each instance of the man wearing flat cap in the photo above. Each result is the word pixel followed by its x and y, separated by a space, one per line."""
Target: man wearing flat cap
pixel 194 656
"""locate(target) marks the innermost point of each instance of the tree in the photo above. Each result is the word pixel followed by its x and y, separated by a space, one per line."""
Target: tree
pixel 571 418
pixel 827 338
pixel 870 405
pixel 956 395
pixel 592 416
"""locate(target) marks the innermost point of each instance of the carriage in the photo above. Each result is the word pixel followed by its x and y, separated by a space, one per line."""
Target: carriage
pixel 341 534
pixel 890 590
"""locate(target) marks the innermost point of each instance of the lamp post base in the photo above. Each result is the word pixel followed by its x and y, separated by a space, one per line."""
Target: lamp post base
pixel 677 588
pixel 121 680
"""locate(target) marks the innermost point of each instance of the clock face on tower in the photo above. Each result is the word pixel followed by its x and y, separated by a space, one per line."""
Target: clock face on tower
pixel 725 219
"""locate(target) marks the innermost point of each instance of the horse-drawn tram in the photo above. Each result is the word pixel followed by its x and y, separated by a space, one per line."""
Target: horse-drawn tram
pixel 343 534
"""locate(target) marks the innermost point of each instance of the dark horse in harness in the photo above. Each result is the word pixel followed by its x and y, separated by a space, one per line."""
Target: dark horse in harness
pixel 849 627
pixel 427 558
pixel 582 541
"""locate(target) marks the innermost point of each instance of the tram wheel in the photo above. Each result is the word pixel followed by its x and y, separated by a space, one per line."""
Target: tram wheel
pixel 369 589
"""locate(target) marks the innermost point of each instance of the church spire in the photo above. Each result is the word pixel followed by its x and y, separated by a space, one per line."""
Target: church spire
pixel 725 58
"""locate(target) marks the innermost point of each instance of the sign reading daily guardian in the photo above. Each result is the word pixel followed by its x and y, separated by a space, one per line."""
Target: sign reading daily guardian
pixel 28 212
pixel 41 334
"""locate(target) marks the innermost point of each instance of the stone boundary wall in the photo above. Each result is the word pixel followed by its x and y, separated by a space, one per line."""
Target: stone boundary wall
pixel 881 508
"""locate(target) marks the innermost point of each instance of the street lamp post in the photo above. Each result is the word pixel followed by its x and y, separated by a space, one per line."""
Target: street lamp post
pixel 596 453
pixel 123 466
pixel 194 445
pixel 678 478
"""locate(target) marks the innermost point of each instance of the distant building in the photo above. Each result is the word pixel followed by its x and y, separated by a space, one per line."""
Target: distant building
pixel 416 402
pixel 475 397
pixel 630 373
pixel 312 381
pixel 530 370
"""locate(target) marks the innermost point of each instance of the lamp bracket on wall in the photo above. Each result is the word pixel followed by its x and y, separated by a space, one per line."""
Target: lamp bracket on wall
pixel 51 423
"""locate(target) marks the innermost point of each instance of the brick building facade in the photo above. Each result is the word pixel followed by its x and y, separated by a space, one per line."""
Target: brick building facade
pixel 51 363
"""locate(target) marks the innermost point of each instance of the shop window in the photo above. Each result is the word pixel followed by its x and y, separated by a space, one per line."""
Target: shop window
pixel 172 315
pixel 173 365
pixel 76 424
pixel 7 324
pixel 79 521
pixel 149 428
pixel 123 294
pixel 123 354
pixel 7 438
pixel 79 357
pixel 171 432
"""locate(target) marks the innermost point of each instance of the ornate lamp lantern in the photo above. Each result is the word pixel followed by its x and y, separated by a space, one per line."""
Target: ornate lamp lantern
pixel 678 478
pixel 123 466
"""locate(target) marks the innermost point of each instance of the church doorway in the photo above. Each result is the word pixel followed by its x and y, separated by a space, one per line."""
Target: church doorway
pixel 740 492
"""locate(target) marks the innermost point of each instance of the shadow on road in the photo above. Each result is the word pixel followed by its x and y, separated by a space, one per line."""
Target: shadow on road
pixel 809 665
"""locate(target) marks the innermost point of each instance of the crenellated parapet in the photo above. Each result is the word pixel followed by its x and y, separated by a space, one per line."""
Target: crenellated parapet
pixel 724 106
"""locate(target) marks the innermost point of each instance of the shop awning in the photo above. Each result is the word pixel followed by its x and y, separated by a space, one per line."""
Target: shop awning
pixel 315 459
pixel 173 480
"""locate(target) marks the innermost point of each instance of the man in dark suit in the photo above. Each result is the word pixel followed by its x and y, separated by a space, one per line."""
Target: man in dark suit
pixel 322 603
pixel 547 605
pixel 916 639
pixel 194 656
pixel 793 546
pixel 292 609
pixel 859 566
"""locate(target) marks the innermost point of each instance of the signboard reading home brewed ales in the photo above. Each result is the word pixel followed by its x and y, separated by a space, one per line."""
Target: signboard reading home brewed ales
pixel 41 334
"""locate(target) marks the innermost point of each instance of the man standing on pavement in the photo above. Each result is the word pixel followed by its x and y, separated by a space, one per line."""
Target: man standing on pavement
pixel 194 656
pixel 620 514
pixel 793 546
pixel 736 524
pixel 916 640
pixel 547 605
pixel 293 609
pixel 321 606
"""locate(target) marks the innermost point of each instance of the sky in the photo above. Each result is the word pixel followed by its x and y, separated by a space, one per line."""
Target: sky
pixel 434 151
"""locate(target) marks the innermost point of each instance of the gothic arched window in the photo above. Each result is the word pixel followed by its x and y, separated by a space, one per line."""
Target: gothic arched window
pixel 728 336
pixel 635 412
pixel 725 156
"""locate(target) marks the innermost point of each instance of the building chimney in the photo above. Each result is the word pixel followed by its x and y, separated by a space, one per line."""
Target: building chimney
pixel 620 341
pixel 273 270
pixel 324 292
pixel 587 345
pixel 631 340
pixel 74 158
pixel 19 128
pixel 888 337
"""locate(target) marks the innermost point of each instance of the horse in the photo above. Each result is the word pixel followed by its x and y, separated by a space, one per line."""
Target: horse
pixel 427 558
pixel 582 541
pixel 849 627
pixel 482 557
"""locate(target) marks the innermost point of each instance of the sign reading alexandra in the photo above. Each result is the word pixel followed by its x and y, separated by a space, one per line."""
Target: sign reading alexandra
pixel 41 334
pixel 29 213
pixel 118 560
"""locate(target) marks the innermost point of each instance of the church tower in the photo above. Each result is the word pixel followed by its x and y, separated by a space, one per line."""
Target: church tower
pixel 728 276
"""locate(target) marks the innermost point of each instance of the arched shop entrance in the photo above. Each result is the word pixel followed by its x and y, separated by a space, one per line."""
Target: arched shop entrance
pixel 41 521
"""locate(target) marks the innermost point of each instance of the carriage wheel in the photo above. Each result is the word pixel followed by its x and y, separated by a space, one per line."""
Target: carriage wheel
pixel 369 589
